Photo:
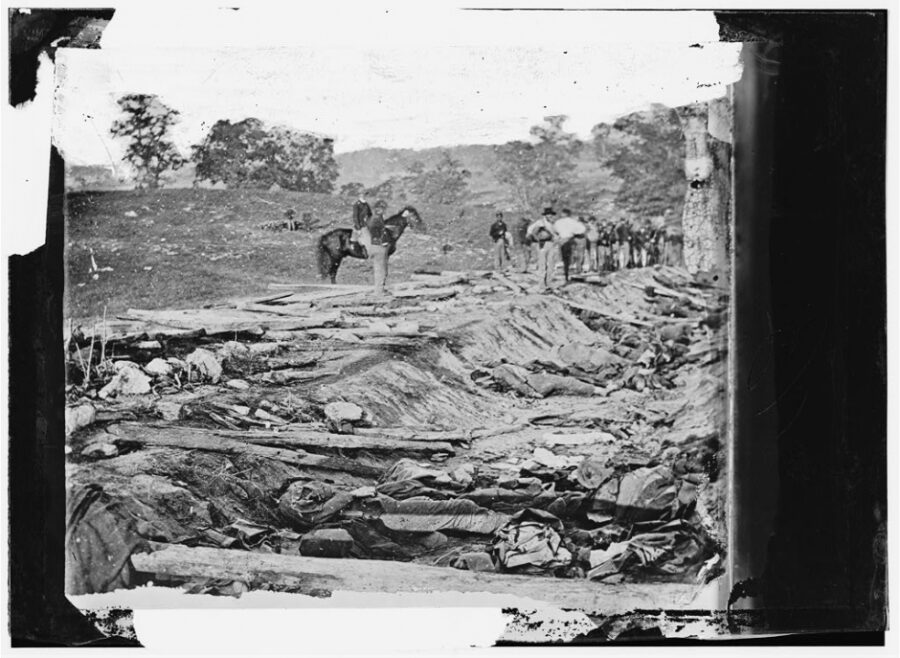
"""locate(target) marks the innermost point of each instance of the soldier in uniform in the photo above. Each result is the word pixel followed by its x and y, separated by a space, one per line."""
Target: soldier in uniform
pixel 500 242
pixel 362 213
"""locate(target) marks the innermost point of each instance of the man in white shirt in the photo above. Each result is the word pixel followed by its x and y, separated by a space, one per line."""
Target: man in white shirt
pixel 572 240
pixel 543 235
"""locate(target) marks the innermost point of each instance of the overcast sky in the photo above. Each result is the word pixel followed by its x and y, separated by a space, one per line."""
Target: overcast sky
pixel 402 78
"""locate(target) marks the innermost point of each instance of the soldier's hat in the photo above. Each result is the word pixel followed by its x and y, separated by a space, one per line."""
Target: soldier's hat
pixel 548 211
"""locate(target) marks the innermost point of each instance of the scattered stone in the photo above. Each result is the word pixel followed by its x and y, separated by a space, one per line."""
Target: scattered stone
pixel 433 540
pixel 464 474
pixel 100 450
pixel 440 457
pixel 118 366
pixel 334 542
pixel 584 438
pixel 158 367
pixel 130 213
pixel 127 381
pixel 263 349
pixel 168 410
pixel 148 345
pixel 78 417
pixel 344 411
pixel 237 384
pixel 234 349
pixel 475 561
pixel 204 366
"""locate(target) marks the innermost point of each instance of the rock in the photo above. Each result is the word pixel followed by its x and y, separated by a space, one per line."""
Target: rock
pixel 148 345
pixel 118 366
pixel 583 438
pixel 130 213
pixel 204 366
pixel 168 410
pixel 100 450
pixel 546 458
pixel 334 542
pixel 464 474
pixel 475 561
pixel 263 349
pixel 128 381
pixel 78 417
pixel 339 412
pixel 237 384
pixel 234 349
pixel 158 367
pixel 406 327
pixel 433 540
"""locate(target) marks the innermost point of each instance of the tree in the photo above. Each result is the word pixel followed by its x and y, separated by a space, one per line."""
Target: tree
pixel 645 150
pixel 541 172
pixel 352 189
pixel 446 183
pixel 250 154
pixel 146 125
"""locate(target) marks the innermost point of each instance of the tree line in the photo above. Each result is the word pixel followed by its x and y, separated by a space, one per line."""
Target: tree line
pixel 643 151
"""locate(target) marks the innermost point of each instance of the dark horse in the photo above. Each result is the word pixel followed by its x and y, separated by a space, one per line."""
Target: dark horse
pixel 336 245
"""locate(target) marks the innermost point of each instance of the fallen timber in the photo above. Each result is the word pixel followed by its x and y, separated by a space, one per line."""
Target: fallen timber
pixel 313 575
pixel 191 439
pixel 178 435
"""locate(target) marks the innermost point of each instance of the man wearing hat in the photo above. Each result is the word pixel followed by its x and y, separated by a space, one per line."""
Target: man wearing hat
pixel 361 215
pixel 543 235
pixel 522 243
pixel 378 246
pixel 500 242
pixel 572 241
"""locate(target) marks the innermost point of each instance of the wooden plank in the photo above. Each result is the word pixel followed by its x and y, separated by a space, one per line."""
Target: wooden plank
pixel 604 312
pixel 427 293
pixel 311 439
pixel 205 440
pixel 311 574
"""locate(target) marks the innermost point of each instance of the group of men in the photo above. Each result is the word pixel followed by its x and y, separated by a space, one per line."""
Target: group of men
pixel 584 245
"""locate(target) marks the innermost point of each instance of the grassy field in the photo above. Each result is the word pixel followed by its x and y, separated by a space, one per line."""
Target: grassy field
pixel 183 248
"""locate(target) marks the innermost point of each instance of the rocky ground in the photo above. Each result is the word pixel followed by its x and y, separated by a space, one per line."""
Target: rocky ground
pixel 466 433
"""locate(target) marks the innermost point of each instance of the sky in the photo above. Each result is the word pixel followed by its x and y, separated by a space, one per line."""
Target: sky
pixel 403 78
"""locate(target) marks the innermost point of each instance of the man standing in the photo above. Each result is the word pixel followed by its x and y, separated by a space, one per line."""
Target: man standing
pixel 542 234
pixel 571 240
pixel 379 239
pixel 522 243
pixel 623 244
pixel 593 244
pixel 362 213
pixel 499 238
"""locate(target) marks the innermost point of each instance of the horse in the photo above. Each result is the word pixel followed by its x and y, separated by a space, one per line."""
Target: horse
pixel 335 245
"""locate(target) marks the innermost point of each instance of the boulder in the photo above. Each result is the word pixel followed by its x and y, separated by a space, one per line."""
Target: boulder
pixel 332 542
pixel 159 368
pixel 78 417
pixel 204 366
pixel 127 381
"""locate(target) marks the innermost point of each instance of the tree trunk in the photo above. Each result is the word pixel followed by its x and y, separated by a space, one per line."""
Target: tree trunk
pixel 707 167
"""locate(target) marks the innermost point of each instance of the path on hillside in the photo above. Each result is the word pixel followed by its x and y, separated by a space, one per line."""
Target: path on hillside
pixel 489 437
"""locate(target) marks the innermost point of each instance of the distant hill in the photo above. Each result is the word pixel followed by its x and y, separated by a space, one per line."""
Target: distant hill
pixel 374 165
